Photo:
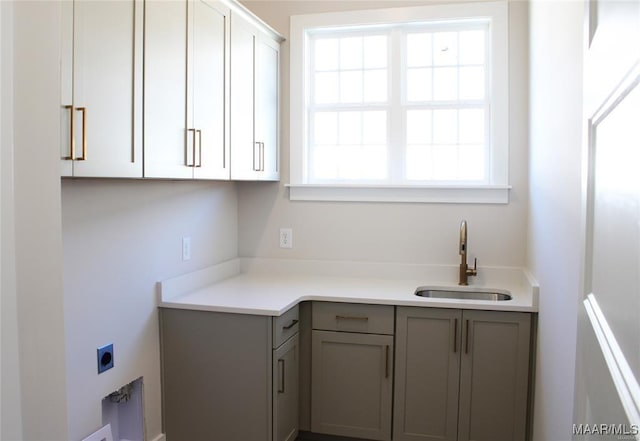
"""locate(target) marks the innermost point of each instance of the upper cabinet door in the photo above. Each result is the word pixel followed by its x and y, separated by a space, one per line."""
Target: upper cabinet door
pixel 267 106
pixel 102 88
pixel 186 91
pixel 244 149
pixel 254 103
pixel 165 83
pixel 208 91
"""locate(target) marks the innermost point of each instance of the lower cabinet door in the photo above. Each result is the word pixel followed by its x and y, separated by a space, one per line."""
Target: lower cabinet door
pixel 461 375
pixel 351 384
pixel 285 390
pixel 494 376
pixel 428 345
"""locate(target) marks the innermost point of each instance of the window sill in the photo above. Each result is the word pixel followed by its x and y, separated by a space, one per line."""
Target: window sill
pixel 487 194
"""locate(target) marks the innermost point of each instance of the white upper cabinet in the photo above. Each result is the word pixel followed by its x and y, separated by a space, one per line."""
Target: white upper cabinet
pixel 101 90
pixel 208 75
pixel 165 84
pixel 208 87
pixel 254 102
pixel 267 107
pixel 186 90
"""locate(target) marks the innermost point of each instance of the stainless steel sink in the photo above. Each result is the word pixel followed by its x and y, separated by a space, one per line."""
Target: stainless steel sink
pixel 440 293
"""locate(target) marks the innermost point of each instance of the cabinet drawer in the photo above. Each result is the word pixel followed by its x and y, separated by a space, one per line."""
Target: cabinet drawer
pixel 285 326
pixel 353 317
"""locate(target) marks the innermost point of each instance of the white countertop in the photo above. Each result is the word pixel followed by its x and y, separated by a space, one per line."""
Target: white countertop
pixel 272 286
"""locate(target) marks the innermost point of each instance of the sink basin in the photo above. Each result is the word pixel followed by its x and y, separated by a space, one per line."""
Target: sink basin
pixel 441 293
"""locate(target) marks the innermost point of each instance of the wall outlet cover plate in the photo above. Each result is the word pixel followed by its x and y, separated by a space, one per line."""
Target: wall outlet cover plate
pixel 105 358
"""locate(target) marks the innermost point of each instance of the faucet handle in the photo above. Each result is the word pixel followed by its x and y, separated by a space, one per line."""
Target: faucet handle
pixel 474 271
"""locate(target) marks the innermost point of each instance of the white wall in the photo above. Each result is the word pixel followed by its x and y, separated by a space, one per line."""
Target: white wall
pixel 555 195
pixel 38 240
pixel 10 401
pixel 120 238
pixel 61 301
pixel 414 233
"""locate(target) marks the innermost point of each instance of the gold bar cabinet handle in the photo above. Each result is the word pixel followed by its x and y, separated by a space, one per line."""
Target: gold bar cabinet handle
pixel 84 133
pixel 466 338
pixel 257 143
pixel 262 156
pixel 290 325
pixel 350 317
pixel 386 361
pixel 455 335
pixel 281 379
pixel 186 150
pixel 72 140
pixel 199 132
pixel 193 151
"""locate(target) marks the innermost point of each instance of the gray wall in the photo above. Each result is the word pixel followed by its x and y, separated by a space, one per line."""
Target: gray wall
pixel 555 211
pixel 388 232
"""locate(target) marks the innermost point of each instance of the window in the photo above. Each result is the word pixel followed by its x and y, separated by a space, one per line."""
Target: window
pixel 389 108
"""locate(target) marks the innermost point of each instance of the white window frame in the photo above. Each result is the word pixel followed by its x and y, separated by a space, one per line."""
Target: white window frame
pixel 496 191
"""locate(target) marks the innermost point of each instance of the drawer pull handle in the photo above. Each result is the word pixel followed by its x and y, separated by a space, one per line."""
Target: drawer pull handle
pixel 349 317
pixel 290 325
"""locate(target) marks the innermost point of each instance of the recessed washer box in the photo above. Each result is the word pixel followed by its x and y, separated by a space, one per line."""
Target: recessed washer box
pixel 105 358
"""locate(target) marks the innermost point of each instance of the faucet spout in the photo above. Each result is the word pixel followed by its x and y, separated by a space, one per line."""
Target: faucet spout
pixel 465 271
pixel 463 237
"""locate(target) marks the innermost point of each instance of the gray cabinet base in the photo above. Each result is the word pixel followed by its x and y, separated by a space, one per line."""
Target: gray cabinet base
pixel 216 376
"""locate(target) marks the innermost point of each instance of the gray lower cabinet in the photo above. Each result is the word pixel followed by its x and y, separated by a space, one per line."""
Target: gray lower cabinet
pixel 352 372
pixel 458 375
pixel 427 374
pixel 285 390
pixel 223 379
pixel 461 375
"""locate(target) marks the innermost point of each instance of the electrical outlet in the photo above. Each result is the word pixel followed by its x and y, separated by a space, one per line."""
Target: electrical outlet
pixel 286 238
pixel 186 248
pixel 105 358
